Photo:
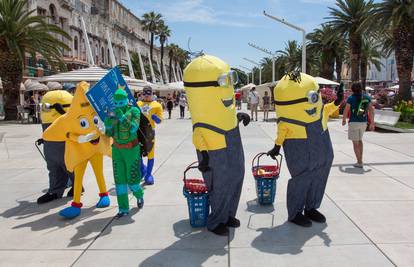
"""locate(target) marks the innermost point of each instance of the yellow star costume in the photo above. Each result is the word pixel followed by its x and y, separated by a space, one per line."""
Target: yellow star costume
pixel 84 143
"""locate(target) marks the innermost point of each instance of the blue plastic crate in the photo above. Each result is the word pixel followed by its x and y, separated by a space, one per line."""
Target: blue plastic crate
pixel 198 208
pixel 266 190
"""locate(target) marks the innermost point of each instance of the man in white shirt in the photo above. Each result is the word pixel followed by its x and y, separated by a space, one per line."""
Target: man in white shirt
pixel 254 101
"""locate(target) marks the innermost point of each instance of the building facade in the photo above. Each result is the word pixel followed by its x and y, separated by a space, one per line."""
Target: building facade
pixel 99 16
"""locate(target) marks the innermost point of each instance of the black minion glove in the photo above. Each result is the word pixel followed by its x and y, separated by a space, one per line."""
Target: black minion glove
pixel 274 152
pixel 241 116
pixel 203 164
pixel 339 94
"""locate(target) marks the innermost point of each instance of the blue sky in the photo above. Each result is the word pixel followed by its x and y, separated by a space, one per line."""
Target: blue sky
pixel 224 27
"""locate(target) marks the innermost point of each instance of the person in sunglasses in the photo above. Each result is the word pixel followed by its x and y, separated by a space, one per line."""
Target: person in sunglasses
pixel 208 82
pixel 302 129
pixel 54 104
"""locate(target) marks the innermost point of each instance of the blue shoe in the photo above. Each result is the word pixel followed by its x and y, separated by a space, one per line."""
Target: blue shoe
pixel 70 212
pixel 149 179
pixel 103 201
pixel 140 203
pixel 143 168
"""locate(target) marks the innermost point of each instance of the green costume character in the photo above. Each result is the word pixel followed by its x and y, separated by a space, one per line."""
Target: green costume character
pixel 122 125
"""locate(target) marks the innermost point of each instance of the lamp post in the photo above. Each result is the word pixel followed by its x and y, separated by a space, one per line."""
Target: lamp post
pixel 269 53
pixel 298 29
pixel 258 65
pixel 247 75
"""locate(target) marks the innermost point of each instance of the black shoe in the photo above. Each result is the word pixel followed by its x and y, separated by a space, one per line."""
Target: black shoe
pixel 140 203
pixel 301 220
pixel 221 229
pixel 233 222
pixel 315 216
pixel 70 192
pixel 47 198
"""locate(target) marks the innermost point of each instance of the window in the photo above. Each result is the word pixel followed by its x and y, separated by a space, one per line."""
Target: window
pixel 103 54
pixel 75 43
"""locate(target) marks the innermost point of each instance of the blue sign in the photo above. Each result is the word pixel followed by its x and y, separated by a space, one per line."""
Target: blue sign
pixel 101 95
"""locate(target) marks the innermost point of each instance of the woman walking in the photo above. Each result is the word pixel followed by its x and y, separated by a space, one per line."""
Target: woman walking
pixel 266 106
pixel 170 105
pixel 183 103
pixel 359 109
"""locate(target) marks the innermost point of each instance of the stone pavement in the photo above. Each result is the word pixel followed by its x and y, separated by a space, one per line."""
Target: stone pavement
pixel 369 212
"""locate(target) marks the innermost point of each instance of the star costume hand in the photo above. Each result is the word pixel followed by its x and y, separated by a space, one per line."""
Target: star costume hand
pixel 241 116
pixel 203 164
pixel 274 152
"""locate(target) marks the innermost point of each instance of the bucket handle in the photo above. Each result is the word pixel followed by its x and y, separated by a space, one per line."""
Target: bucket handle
pixel 258 156
pixel 191 166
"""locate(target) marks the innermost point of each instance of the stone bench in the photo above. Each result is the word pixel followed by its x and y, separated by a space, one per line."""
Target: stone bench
pixel 386 117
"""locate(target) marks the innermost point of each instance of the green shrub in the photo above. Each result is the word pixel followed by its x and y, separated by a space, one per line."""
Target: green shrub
pixel 407 111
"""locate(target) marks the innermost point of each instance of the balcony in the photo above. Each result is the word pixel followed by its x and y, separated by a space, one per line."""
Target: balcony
pixel 67 4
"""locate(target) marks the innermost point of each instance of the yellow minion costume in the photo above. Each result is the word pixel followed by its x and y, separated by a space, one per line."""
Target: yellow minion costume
pixel 302 130
pixel 208 82
pixel 84 143
pixel 153 111
pixel 54 104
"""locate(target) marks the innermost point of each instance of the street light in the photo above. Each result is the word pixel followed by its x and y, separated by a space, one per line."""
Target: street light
pixel 260 69
pixel 269 53
pixel 245 72
pixel 298 29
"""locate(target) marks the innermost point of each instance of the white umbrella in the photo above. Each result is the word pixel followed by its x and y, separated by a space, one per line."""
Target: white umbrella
pixel 92 75
pixel 395 87
pixel 369 88
pixel 34 86
pixel 324 81
pixel 54 86
pixel 248 86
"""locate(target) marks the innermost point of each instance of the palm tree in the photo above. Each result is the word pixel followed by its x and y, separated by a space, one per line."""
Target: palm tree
pixel 23 32
pixel 370 56
pixel 151 22
pixel 397 19
pixel 352 18
pixel 291 55
pixel 266 65
pixel 163 32
pixel 172 52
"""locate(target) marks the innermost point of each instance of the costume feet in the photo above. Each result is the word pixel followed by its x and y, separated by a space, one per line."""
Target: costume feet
pixel 122 214
pixel 301 220
pixel 233 222
pixel 315 216
pixel 70 212
pixel 221 229
pixel 47 198
pixel 140 203
pixel 103 201
pixel 149 179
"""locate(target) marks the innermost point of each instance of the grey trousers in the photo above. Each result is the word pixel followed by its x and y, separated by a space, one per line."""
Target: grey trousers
pixel 55 161
pixel 225 179
pixel 309 162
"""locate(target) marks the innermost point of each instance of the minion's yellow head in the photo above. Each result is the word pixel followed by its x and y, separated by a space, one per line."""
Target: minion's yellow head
pixel 208 82
pixel 297 97
pixel 55 104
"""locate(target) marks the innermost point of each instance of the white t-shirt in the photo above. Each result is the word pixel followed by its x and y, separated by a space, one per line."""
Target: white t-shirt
pixel 254 97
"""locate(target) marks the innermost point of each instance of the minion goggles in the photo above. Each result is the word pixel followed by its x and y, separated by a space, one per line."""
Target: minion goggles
pixel 46 107
pixel 312 98
pixel 224 80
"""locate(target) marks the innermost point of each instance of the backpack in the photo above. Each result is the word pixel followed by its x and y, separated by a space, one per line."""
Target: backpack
pixel 361 111
pixel 146 135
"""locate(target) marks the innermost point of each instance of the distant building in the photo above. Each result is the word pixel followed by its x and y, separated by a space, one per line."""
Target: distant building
pixel 99 15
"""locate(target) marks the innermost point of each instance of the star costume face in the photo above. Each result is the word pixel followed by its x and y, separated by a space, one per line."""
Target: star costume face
pixel 84 143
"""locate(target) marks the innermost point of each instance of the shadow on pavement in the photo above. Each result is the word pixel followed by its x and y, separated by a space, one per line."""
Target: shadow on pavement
pixel 254 207
pixel 288 238
pixel 26 209
pixel 186 251
pixel 103 226
pixel 353 170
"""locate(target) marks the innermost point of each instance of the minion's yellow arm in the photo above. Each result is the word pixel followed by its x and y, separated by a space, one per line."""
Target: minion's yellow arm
pixel 204 139
pixel 282 132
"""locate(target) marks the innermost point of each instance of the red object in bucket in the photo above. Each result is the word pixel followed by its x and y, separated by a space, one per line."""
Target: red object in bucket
pixel 194 185
pixel 265 171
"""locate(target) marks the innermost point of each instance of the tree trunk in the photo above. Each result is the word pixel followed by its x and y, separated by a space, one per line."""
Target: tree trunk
pixel 404 53
pixel 162 59
pixel 364 70
pixel 338 60
pixel 327 62
pixel 355 43
pixel 11 74
pixel 170 67
pixel 152 46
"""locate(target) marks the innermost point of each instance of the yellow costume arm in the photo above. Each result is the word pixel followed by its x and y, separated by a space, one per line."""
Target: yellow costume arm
pixel 282 132
pixel 330 108
pixel 198 140
pixel 159 111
